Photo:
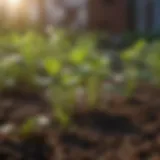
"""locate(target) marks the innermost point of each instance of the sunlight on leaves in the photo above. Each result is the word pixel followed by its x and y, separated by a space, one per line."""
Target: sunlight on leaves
pixel 53 66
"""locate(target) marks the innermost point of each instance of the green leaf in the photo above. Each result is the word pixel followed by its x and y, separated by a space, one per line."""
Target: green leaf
pixel 28 126
pixel 78 55
pixel 134 52
pixel 131 76
pixel 69 78
pixel 93 84
pixel 62 117
pixel 53 66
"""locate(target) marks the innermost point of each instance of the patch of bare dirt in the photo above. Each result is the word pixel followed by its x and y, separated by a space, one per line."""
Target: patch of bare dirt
pixel 127 129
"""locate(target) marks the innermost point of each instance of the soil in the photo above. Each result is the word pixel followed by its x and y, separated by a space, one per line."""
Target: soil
pixel 126 129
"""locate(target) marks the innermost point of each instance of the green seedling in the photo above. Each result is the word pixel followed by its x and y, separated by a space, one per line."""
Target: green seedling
pixel 130 57
pixel 65 61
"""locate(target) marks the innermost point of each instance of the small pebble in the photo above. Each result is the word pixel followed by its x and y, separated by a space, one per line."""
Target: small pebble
pixel 43 121
pixel 7 128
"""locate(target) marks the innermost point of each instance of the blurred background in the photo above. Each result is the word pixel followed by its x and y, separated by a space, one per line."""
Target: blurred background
pixel 79 79
pixel 114 17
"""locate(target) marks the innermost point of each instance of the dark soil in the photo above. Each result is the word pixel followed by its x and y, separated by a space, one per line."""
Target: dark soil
pixel 127 129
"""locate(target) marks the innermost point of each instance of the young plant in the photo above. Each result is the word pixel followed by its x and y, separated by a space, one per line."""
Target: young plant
pixel 152 61
pixel 66 60
pixel 131 58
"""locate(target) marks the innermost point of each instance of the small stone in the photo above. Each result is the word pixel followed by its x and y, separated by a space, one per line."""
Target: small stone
pixel 7 128
pixel 43 121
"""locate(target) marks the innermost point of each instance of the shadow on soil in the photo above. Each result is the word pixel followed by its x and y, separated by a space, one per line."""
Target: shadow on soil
pixel 105 123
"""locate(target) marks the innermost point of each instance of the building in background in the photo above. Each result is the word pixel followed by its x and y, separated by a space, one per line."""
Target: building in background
pixel 147 16
pixel 109 15
pixel 113 16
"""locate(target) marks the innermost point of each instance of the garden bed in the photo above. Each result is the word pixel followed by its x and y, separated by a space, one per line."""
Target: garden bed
pixel 54 104
pixel 126 129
